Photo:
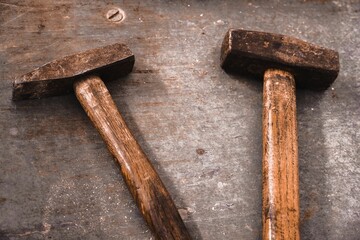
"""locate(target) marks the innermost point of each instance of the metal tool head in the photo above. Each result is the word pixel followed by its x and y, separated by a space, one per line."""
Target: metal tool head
pixel 57 77
pixel 251 52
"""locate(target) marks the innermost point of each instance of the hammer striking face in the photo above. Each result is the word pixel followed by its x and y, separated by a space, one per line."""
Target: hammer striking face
pixel 251 52
pixel 57 77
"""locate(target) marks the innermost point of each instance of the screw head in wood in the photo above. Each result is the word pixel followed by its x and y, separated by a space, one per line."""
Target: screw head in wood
pixel 115 15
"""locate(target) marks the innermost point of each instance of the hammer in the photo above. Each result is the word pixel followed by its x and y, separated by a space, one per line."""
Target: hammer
pixel 280 60
pixel 83 72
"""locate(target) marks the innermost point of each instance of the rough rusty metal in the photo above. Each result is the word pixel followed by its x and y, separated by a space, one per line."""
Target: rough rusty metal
pixel 252 52
pixel 57 77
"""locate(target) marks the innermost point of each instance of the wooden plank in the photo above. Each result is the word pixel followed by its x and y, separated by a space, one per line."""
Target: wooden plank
pixel 200 127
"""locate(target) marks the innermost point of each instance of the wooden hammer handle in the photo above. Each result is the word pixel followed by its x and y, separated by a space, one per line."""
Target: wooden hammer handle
pixel 280 217
pixel 145 185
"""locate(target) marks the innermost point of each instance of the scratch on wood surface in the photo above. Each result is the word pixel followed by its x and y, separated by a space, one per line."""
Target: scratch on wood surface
pixel 14 18
pixel 208 221
pixel 45 230
pixel 9 4
pixel 41 49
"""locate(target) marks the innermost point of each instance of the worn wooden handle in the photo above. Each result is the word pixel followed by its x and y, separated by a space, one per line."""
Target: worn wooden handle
pixel 280 216
pixel 145 185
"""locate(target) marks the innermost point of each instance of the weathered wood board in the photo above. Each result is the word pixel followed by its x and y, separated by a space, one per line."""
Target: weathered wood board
pixel 200 127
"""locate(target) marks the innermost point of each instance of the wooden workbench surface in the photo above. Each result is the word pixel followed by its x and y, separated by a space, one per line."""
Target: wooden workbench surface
pixel 200 127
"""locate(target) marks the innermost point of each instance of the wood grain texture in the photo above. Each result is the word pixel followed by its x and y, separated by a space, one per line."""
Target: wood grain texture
pixel 145 185
pixel 177 100
pixel 280 158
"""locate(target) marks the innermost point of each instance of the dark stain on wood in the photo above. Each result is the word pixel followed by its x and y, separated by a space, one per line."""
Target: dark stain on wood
pixel 2 200
pixel 41 27
pixel 200 151
pixel 145 71
pixel 308 214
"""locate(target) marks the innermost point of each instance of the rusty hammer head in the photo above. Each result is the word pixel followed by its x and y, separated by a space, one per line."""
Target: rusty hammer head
pixel 251 52
pixel 57 77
